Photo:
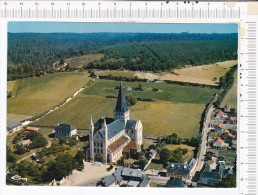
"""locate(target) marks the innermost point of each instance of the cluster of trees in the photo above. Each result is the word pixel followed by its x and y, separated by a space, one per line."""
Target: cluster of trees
pixel 173 139
pixel 31 53
pixel 175 156
pixel 120 78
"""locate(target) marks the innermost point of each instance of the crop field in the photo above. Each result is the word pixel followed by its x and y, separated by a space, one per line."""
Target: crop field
pixel 33 96
pixel 115 73
pixel 79 62
pixel 231 96
pixel 188 155
pixel 77 112
pixel 205 74
pixel 170 92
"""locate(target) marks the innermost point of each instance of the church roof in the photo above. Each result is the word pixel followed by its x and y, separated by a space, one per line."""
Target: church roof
pixel 130 124
pixel 114 128
pixel 121 105
pixel 118 143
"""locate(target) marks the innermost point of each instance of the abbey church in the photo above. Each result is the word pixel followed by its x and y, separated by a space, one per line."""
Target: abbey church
pixel 109 138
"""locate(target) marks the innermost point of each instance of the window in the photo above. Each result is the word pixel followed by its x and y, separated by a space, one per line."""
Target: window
pixel 97 144
pixel 94 150
pixel 94 143
pixel 101 145
pixel 101 151
pixel 97 150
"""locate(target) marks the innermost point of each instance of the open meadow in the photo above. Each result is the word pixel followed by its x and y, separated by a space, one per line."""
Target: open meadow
pixel 231 97
pixel 175 110
pixel 33 96
pixel 204 74
pixel 79 62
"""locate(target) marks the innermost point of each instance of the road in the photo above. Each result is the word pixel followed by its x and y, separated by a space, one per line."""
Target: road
pixel 204 140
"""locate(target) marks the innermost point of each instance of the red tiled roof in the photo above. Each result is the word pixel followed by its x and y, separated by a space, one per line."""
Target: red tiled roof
pixel 219 140
pixel 220 126
pixel 228 106
pixel 220 112
pixel 118 143
pixel 32 128
pixel 131 145
pixel 229 134
pixel 231 118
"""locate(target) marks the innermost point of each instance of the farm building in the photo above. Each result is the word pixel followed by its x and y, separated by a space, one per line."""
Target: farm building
pixel 218 142
pixel 32 129
pixel 220 128
pixel 110 137
pixel 231 121
pixel 227 108
pixel 221 114
pixel 65 131
pixel 126 177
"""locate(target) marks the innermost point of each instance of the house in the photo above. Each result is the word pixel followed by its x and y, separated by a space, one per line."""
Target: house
pixel 227 108
pixel 207 177
pixel 180 170
pixel 218 142
pixel 15 127
pixel 228 135
pixel 126 177
pixel 175 182
pixel 231 121
pixel 111 137
pixel 221 114
pixel 220 128
pixel 32 129
pixel 65 131
pixel 24 142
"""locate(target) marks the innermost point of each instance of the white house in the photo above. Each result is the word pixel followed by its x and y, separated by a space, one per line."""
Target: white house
pixel 221 114
pixel 218 142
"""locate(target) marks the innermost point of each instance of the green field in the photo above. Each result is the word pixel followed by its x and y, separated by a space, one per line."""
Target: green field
pixel 175 93
pixel 33 96
pixel 161 117
pixel 231 96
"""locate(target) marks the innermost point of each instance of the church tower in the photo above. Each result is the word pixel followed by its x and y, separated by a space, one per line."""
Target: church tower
pixel 91 138
pixel 121 110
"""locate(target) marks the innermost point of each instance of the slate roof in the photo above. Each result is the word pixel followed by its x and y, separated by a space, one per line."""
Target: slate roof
pixel 118 173
pixel 211 175
pixel 191 162
pixel 65 127
pixel 206 167
pixel 145 181
pixel 178 168
pixel 132 173
pixel 175 183
pixel 108 181
pixel 130 124
pixel 99 124
pixel 121 105
pixel 114 128
pixel 13 126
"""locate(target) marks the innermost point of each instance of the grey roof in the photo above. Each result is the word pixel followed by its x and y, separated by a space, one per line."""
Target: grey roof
pixel 132 183
pixel 211 175
pixel 65 127
pixel 175 182
pixel 145 181
pixel 221 169
pixel 178 166
pixel 114 128
pixel 191 162
pixel 130 124
pixel 132 172
pixel 109 180
pixel 118 173
pixel 206 167
pixel 226 172
pixel 13 126
pixel 121 105
pixel 99 124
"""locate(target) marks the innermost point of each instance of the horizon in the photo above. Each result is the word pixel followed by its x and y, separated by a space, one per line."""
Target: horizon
pixel 157 28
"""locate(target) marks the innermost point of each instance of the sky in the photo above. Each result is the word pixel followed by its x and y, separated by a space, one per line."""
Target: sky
pixel 72 27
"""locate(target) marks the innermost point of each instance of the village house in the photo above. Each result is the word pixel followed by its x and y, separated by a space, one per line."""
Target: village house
pixel 231 121
pixel 227 108
pixel 111 137
pixel 126 177
pixel 221 114
pixel 66 131
pixel 228 135
pixel 220 128
pixel 32 129
pixel 180 170
pixel 175 182
pixel 218 142
pixel 24 142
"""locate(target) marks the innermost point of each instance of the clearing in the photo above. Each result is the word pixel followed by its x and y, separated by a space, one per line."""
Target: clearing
pixel 205 74
pixel 231 96
pixel 79 62
pixel 33 96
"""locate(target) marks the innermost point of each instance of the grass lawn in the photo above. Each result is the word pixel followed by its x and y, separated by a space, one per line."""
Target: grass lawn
pixel 45 132
pixel 77 112
pixel 166 118
pixel 231 96
pixel 171 92
pixel 33 96
pixel 188 155
pixel 204 74
pixel 155 164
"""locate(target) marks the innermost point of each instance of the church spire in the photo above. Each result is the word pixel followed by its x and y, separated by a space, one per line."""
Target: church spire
pixel 121 105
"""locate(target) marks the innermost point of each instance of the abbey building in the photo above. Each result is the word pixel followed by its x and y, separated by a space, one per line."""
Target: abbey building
pixel 109 138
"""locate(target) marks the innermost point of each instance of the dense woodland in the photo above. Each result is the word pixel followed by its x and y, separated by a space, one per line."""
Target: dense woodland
pixel 31 53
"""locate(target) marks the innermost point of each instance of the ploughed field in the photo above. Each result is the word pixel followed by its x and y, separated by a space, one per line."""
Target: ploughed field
pixel 177 109
pixel 34 96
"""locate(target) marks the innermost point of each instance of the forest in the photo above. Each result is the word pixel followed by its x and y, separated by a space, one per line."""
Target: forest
pixel 30 54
